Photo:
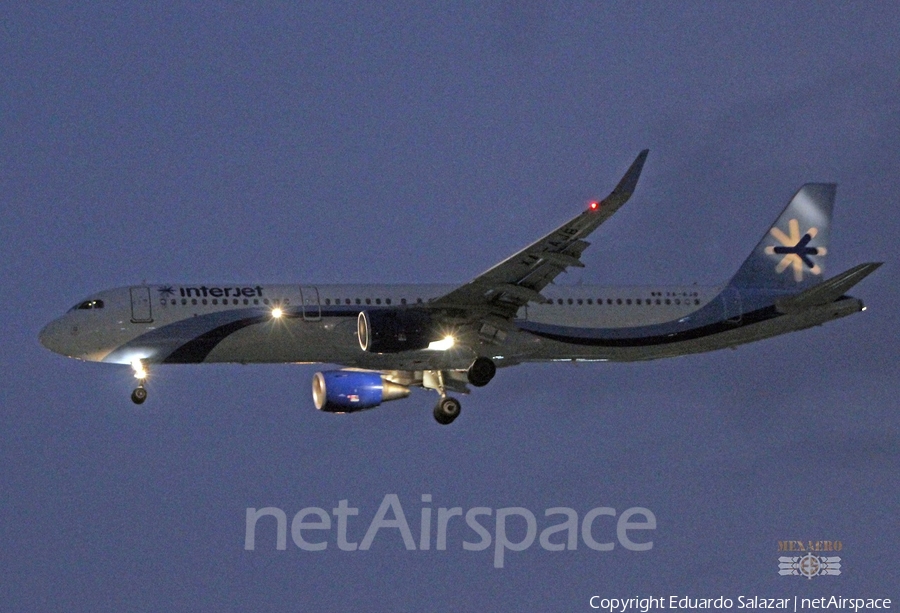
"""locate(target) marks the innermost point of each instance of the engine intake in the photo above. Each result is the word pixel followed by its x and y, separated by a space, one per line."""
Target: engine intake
pixel 346 391
pixel 394 330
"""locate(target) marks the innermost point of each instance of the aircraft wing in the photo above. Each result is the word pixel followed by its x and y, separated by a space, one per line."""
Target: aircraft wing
pixel 520 278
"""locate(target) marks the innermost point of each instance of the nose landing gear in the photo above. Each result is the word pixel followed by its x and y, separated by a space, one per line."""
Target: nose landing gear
pixel 139 395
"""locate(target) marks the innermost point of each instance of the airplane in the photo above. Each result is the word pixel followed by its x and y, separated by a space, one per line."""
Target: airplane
pixel 389 339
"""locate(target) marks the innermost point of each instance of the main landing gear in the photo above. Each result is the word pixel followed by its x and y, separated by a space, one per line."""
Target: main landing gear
pixel 446 410
pixel 479 374
pixel 139 395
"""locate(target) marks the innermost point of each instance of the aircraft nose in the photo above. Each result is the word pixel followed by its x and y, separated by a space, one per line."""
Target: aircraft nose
pixel 51 337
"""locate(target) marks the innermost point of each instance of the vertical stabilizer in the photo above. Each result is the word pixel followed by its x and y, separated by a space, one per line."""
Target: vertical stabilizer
pixel 791 254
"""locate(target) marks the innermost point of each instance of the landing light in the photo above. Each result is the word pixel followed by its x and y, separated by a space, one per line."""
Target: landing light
pixel 442 345
pixel 277 313
pixel 139 372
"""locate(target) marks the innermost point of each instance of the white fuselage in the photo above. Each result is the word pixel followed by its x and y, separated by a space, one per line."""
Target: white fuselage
pixel 234 323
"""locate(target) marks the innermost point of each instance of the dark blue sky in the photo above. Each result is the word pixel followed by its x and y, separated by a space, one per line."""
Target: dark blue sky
pixel 332 143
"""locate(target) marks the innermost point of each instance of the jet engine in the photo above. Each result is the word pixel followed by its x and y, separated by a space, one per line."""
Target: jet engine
pixel 346 391
pixel 394 330
pixel 481 372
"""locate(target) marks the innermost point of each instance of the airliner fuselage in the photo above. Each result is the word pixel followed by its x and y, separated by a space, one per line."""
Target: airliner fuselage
pixel 160 324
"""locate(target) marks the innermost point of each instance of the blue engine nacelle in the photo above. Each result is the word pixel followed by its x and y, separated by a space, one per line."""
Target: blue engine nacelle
pixel 346 391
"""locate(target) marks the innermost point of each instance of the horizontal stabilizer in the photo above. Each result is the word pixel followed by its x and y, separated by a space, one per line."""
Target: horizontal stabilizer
pixel 827 291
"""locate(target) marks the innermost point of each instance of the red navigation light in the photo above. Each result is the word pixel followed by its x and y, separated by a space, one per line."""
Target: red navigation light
pixel 595 205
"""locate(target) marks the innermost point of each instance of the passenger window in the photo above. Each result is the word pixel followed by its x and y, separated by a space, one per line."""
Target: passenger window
pixel 387 301
pixel 368 301
pixel 403 301
pixel 378 301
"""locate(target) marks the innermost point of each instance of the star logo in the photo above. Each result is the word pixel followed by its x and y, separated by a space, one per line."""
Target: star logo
pixel 796 250
pixel 166 290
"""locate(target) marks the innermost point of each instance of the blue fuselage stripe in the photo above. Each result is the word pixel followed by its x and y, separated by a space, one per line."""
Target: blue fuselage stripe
pixel 747 319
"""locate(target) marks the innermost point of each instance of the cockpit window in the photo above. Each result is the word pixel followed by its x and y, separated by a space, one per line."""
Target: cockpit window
pixel 88 304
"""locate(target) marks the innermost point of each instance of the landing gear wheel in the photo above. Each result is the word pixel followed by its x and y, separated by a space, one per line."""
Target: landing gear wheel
pixel 446 410
pixel 139 395
pixel 481 372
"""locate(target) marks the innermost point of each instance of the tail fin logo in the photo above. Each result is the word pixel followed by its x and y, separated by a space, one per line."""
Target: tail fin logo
pixel 796 250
